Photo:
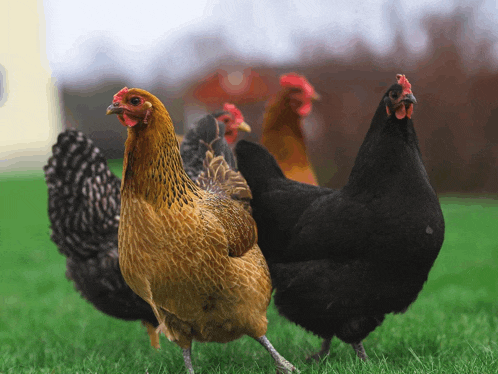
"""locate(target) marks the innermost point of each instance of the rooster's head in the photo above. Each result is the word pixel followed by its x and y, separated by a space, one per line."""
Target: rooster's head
pixel 300 93
pixel 233 119
pixel 399 98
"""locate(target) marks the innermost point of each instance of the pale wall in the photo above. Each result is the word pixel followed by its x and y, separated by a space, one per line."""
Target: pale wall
pixel 29 107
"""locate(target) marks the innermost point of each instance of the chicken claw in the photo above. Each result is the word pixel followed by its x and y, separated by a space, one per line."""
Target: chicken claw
pixel 283 366
pixel 324 351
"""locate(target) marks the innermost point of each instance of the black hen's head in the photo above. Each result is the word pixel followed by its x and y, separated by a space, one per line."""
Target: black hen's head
pixel 399 99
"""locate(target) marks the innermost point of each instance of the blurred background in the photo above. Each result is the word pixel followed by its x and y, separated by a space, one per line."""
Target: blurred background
pixel 61 62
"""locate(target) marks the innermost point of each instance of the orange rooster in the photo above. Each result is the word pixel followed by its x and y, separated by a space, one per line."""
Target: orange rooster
pixel 191 253
pixel 282 133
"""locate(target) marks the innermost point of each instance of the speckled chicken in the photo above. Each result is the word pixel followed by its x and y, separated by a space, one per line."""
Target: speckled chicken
pixel 84 208
pixel 192 254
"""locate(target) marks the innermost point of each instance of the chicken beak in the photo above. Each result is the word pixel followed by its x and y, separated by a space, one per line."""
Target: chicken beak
pixel 114 109
pixel 410 98
pixel 243 126
pixel 316 97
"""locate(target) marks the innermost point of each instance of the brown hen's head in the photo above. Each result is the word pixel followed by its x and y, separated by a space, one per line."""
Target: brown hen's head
pixel 300 93
pixel 399 99
pixel 233 119
pixel 136 107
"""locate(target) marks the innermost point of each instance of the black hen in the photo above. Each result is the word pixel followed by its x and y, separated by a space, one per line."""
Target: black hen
pixel 84 206
pixel 342 259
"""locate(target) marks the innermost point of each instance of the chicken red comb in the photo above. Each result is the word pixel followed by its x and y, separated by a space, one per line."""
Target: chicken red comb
pixel 403 82
pixel 119 96
pixel 234 111
pixel 297 81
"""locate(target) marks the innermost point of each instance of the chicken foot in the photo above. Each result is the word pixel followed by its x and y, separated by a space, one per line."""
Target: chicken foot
pixel 283 366
pixel 324 351
pixel 188 360
pixel 360 351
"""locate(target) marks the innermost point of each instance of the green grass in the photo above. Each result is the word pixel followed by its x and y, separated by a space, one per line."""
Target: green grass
pixel 45 326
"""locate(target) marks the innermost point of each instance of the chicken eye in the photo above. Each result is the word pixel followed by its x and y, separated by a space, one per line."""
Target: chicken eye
pixel 135 101
pixel 394 95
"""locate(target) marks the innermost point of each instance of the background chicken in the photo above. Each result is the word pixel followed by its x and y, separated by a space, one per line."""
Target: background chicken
pixel 84 207
pixel 194 144
pixel 190 253
pixel 234 122
pixel 282 127
pixel 341 260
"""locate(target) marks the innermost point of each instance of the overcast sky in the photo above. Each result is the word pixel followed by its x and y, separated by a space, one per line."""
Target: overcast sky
pixel 260 29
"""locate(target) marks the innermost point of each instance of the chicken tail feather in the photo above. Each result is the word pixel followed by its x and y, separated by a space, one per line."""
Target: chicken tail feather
pixel 84 201
pixel 257 165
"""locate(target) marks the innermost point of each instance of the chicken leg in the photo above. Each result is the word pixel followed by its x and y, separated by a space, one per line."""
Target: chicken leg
pixel 283 366
pixel 188 360
pixel 360 351
pixel 324 351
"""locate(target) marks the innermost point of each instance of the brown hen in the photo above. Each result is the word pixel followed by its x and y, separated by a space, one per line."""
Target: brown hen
pixel 282 127
pixel 191 253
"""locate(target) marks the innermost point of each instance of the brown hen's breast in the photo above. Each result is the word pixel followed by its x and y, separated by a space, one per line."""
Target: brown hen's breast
pixel 179 260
